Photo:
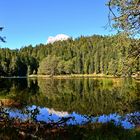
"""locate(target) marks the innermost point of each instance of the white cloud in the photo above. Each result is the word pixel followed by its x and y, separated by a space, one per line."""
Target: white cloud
pixel 59 37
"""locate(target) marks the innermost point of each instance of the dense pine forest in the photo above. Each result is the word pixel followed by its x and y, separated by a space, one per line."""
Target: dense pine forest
pixel 116 55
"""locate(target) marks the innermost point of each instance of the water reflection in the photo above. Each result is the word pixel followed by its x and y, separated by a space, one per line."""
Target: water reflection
pixel 50 115
pixel 105 99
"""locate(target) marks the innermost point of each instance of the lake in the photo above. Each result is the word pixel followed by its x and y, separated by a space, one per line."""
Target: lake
pixel 81 99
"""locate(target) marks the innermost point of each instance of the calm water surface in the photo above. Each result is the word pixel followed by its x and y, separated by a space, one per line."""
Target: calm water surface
pixel 83 100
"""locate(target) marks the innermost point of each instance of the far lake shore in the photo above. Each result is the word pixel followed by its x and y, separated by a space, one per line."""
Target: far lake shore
pixel 71 76
pixel 82 76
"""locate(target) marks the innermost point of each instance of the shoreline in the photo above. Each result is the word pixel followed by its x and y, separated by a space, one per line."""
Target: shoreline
pixel 69 76
pixel 73 76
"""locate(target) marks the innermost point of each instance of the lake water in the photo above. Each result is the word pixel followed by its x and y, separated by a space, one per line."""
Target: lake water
pixel 81 100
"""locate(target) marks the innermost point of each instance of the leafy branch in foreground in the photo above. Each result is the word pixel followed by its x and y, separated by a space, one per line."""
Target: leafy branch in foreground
pixel 125 15
pixel 2 39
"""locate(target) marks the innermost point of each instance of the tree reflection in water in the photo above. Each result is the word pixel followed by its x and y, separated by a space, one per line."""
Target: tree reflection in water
pixel 76 98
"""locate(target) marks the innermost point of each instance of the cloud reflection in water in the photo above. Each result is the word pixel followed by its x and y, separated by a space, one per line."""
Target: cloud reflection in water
pixel 127 121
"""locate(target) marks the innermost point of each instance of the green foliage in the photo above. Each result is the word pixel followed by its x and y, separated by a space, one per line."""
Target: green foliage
pixel 48 65
pixel 125 15
pixel 113 55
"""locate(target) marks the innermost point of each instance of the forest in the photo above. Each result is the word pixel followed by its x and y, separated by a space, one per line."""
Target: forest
pixel 95 98
pixel 116 55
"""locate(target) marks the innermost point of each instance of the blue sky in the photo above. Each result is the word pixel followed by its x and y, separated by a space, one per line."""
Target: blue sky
pixel 33 21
